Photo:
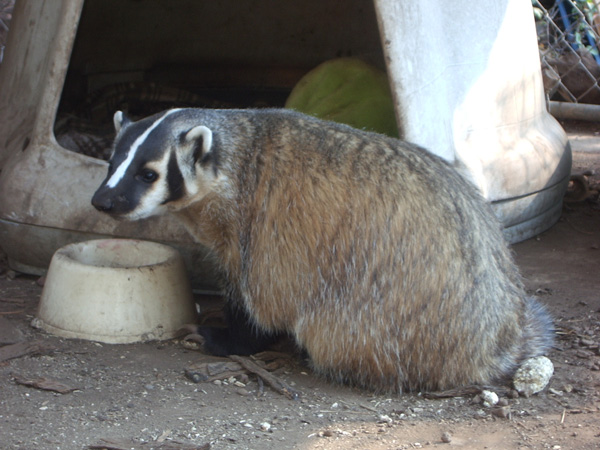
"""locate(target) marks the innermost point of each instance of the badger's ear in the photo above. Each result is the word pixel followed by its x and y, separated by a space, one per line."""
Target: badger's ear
pixel 199 140
pixel 120 120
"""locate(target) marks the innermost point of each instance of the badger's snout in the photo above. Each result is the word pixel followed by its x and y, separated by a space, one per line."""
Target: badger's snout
pixel 108 201
pixel 103 202
pixel 103 205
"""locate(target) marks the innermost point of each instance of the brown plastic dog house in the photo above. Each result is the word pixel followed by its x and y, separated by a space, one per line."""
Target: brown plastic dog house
pixel 466 82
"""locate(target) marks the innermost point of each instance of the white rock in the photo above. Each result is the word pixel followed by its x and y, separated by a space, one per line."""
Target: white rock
pixel 533 375
pixel 383 418
pixel 489 398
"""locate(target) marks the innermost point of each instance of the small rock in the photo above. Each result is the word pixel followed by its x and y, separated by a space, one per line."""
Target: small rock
pixel 586 342
pixel 513 394
pixel 584 354
pixel 489 398
pixel 383 418
pixel 502 412
pixel 195 376
pixel 446 437
pixel 533 375
pixel 190 345
pixel 502 402
pixel 243 392
pixel 592 365
pixel 265 426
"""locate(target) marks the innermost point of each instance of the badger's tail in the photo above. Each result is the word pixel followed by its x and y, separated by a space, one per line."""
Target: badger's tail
pixel 538 331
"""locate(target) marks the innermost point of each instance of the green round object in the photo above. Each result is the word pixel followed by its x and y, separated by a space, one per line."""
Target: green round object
pixel 349 91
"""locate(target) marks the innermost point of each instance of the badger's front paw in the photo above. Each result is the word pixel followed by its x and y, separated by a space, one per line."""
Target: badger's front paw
pixel 189 333
pixel 214 340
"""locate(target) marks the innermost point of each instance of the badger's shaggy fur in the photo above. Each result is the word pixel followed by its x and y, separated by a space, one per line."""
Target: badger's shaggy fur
pixel 381 261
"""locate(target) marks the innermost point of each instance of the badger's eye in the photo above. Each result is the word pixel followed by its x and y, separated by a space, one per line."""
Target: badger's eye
pixel 148 176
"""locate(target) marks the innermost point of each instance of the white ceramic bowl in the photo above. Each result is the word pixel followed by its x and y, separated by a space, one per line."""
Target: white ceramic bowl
pixel 116 291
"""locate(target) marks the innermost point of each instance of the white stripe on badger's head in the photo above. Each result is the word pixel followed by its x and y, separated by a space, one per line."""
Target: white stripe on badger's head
pixel 163 162
pixel 120 171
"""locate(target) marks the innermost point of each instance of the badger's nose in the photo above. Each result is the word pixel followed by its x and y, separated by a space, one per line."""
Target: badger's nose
pixel 102 203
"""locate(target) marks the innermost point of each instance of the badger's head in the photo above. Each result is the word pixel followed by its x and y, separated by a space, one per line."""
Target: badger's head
pixel 159 163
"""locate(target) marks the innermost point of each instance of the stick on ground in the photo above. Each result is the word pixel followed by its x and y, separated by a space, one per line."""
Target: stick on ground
pixel 280 386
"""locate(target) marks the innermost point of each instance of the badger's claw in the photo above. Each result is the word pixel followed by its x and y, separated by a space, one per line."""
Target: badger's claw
pixel 189 332
pixel 188 328
pixel 194 337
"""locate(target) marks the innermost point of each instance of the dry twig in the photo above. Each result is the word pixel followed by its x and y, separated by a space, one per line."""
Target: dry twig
pixel 277 384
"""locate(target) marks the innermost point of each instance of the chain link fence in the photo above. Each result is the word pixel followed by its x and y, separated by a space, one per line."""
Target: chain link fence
pixel 6 9
pixel 568 39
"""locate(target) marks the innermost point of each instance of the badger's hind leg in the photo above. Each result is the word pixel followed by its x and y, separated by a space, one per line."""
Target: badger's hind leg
pixel 240 337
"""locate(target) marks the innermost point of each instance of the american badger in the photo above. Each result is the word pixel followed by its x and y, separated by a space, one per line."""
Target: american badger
pixel 377 257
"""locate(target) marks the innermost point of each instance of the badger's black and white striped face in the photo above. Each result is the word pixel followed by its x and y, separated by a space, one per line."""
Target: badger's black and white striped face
pixel 155 166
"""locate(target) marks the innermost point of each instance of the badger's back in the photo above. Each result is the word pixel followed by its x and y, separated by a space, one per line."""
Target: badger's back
pixel 385 264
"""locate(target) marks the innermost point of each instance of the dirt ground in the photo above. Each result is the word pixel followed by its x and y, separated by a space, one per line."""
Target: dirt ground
pixel 137 396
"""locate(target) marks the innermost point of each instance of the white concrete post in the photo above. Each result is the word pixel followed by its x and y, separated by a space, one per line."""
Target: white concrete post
pixel 467 83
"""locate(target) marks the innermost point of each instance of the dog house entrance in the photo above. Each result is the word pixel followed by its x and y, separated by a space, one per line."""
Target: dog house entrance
pixel 144 57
